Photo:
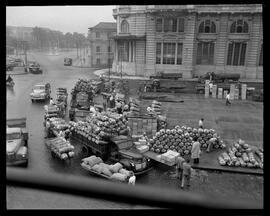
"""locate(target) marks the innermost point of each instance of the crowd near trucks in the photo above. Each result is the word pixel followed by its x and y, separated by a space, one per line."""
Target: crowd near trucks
pixel 16 142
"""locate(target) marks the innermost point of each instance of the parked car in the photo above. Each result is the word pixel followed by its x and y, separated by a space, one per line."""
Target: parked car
pixel 67 61
pixel 41 91
pixel 16 142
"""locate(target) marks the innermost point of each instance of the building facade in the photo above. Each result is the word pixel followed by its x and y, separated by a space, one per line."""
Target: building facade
pixel 189 39
pixel 101 44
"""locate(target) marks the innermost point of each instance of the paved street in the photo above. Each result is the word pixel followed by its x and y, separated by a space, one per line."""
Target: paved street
pixel 58 75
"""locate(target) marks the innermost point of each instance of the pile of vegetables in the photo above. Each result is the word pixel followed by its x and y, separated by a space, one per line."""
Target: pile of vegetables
pixel 115 171
pixel 100 126
pixel 240 154
pixel 180 139
pixel 58 123
pixel 84 85
pixel 62 148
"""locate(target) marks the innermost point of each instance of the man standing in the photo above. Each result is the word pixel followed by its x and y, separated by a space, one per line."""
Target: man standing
pixel 201 123
pixel 179 167
pixel 195 150
pixel 52 102
pixel 186 173
pixel 228 99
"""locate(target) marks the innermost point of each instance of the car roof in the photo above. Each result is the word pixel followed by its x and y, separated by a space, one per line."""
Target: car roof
pixel 13 130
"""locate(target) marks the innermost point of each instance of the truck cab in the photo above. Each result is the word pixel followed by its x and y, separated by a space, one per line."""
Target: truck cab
pixel 40 91
pixel 34 68
pixel 124 151
pixel 16 142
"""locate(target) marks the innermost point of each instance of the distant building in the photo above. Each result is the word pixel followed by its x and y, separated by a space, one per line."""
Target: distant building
pixel 189 39
pixel 101 44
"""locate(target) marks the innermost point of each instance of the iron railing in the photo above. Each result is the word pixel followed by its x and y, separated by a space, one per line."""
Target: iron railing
pixel 140 194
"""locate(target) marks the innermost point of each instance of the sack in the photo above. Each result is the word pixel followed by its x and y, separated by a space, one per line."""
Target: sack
pixel 97 168
pixel 92 160
pixel 125 172
pixel 116 167
pixel 119 177
pixel 106 171
pixel 156 102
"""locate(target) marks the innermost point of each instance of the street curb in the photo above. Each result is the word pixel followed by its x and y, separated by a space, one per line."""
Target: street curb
pixel 227 170
pixel 17 73
pixel 99 72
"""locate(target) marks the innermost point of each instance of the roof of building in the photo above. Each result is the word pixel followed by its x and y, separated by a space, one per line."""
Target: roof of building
pixel 105 25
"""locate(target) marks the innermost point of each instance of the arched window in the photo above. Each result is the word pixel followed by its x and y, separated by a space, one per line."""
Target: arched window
pixel 239 26
pixel 207 26
pixel 124 27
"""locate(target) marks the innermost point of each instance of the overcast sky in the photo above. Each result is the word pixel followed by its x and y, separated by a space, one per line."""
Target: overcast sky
pixel 62 18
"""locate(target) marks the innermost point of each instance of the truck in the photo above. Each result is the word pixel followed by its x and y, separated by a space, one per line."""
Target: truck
pixel 220 77
pixel 164 85
pixel 16 142
pixel 41 91
pixel 67 61
pixel 162 75
pixel 117 149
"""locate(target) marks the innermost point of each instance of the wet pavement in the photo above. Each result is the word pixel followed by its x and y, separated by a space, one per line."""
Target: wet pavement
pixel 40 159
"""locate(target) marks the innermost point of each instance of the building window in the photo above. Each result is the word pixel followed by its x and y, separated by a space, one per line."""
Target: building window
pixel 207 26
pixel 170 25
pixel 236 53
pixel 97 49
pixel 239 26
pixel 169 53
pixel 97 35
pixel 109 49
pixel 124 27
pixel 159 25
pixel 205 53
pixel 123 51
pixel 98 61
pixel 179 53
pixel 158 53
pixel 181 24
pixel 261 56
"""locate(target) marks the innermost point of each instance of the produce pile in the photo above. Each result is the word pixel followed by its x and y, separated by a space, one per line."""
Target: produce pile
pixel 240 154
pixel 58 123
pixel 62 148
pixel 134 107
pixel 180 139
pixel 84 85
pixel 100 126
pixel 114 172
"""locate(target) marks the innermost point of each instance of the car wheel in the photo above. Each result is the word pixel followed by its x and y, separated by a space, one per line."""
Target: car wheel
pixel 32 100
pixel 25 164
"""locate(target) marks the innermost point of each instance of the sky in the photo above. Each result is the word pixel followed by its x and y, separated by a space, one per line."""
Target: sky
pixel 62 18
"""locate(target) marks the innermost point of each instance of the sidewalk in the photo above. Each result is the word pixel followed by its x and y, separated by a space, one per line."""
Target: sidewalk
pixel 99 72
pixel 17 71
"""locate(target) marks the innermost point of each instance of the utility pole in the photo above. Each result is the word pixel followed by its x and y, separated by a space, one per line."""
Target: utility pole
pixel 109 61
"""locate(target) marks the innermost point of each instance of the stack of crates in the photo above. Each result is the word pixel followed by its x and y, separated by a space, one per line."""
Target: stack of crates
pixel 206 90
pixel 139 124
pixel 232 88
pixel 244 91
pixel 214 91
pixel 220 91
pixel 82 98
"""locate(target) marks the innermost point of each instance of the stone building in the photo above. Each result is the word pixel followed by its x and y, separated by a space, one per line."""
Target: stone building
pixel 101 44
pixel 189 39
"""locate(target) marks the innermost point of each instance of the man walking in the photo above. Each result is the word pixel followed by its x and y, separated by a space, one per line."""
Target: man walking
pixel 186 174
pixel 201 123
pixel 179 167
pixel 195 150
pixel 228 99
pixel 212 141
pixel 132 179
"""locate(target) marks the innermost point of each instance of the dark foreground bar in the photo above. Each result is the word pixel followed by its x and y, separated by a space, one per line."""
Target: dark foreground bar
pixel 139 194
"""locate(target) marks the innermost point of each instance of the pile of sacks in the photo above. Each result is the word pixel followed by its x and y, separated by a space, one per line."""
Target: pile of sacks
pixel 134 107
pixel 114 172
pixel 154 109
